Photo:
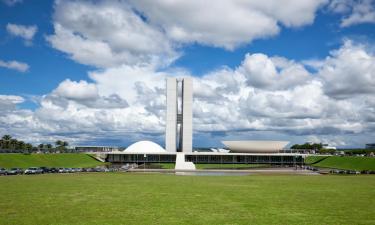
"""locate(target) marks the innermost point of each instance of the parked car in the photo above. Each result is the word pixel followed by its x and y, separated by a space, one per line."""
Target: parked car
pixel 33 170
pixel 14 171
pixel 3 171
pixel 45 169
pixel 53 170
pixel 89 170
pixel 61 170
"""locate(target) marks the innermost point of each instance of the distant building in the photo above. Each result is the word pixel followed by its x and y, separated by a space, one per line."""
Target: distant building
pixel 96 148
pixel 251 146
pixel 370 146
pixel 326 146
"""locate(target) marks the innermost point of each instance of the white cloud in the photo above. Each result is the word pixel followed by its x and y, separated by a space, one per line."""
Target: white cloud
pixel 354 11
pixel 11 2
pixel 9 102
pixel 127 103
pixel 226 24
pixel 273 73
pixel 85 94
pixel 25 32
pixel 77 90
pixel 15 65
pixel 108 34
pixel 349 71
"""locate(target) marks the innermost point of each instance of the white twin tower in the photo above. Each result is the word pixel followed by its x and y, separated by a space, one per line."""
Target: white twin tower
pixel 179 118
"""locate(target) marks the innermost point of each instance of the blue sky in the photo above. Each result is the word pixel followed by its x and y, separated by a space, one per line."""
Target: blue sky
pixel 92 72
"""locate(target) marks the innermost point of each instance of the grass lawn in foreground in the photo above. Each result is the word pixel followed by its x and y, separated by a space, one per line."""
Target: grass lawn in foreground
pixel 126 198
pixel 10 160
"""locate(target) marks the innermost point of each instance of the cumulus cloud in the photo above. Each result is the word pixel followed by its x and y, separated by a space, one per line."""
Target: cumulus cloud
pixel 266 72
pixel 348 71
pixel 15 65
pixel 84 93
pixel 283 99
pixel 113 33
pixel 77 90
pixel 354 11
pixel 9 102
pixel 25 32
pixel 205 23
pixel 108 34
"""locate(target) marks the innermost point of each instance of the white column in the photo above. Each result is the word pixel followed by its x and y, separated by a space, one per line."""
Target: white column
pixel 171 115
pixel 187 115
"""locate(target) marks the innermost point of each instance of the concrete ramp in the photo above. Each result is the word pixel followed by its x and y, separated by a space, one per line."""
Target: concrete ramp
pixel 181 164
pixel 98 156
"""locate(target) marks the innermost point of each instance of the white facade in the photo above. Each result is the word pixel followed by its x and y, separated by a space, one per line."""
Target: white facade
pixel 183 117
pixel 171 117
pixel 255 146
pixel 187 115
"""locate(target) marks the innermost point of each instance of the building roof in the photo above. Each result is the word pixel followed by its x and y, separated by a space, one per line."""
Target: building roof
pixel 145 147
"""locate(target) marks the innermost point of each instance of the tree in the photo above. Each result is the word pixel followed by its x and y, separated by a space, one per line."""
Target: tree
pixel 49 147
pixel 7 137
pixel 29 146
pixel 21 145
pixel 41 146
pixel 59 143
pixel 6 141
pixel 13 143
pixel 315 146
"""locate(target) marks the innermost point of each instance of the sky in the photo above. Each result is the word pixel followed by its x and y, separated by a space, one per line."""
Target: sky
pixel 93 72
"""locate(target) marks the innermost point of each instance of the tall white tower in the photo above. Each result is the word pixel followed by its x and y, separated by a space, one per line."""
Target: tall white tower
pixel 182 137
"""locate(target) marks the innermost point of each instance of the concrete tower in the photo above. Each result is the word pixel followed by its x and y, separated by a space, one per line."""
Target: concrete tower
pixel 179 114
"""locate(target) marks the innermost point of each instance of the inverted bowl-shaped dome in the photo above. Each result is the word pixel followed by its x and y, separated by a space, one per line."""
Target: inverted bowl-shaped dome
pixel 145 147
pixel 255 146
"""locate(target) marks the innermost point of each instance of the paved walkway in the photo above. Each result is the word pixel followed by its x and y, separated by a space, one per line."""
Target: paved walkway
pixel 251 171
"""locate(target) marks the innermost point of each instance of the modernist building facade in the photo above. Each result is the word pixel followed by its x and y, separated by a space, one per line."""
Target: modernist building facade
pixel 179 116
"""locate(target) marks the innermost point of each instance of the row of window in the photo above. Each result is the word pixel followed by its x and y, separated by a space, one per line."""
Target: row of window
pixel 205 158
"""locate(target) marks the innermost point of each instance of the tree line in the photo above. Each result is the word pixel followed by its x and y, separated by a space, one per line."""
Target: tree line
pixel 10 144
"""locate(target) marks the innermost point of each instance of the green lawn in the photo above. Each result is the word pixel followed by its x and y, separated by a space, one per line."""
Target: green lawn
pixel 48 160
pixel 126 198
pixel 348 162
pixel 314 158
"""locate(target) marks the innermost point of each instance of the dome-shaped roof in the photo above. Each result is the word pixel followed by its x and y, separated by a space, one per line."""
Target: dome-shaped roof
pixel 144 147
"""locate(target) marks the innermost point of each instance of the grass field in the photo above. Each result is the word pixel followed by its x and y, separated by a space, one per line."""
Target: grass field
pixel 348 162
pixel 48 160
pixel 315 158
pixel 342 162
pixel 123 198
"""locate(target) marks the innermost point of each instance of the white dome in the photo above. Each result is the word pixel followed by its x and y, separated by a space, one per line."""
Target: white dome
pixel 144 147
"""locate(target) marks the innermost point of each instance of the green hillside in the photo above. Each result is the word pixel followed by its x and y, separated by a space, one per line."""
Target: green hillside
pixel 48 160
pixel 343 162
pixel 314 159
